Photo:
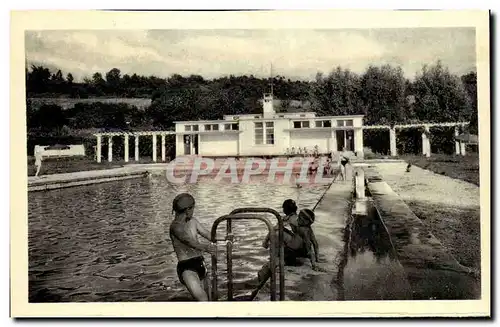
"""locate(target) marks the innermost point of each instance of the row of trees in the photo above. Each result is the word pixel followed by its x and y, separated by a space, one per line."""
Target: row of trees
pixel 40 81
pixel 382 94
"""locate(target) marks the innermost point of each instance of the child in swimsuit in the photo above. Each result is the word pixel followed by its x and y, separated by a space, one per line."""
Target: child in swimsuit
pixel 300 242
pixel 38 161
pixel 310 247
pixel 184 232
pixel 343 162
pixel 290 222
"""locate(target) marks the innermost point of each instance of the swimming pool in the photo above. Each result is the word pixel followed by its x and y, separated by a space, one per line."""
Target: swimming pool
pixel 109 242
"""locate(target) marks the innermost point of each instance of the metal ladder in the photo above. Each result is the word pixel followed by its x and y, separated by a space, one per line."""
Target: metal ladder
pixel 248 214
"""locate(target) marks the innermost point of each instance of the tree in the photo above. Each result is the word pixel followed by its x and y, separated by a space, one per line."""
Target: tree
pixel 38 80
pixel 113 78
pixel 470 83
pixel 47 118
pixel 58 77
pixel 383 94
pixel 440 96
pixel 170 107
pixel 69 78
pixel 99 83
pixel 337 94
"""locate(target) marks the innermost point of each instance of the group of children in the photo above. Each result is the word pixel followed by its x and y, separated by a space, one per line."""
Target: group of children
pixel 298 238
pixel 330 169
pixel 299 242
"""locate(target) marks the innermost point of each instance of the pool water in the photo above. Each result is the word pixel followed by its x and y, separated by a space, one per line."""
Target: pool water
pixel 109 242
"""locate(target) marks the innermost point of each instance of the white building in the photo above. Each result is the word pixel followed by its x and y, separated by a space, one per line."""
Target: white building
pixel 269 134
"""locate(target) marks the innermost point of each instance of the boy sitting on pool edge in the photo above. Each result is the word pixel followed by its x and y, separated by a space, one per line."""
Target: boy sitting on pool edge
pixel 310 247
pixel 301 243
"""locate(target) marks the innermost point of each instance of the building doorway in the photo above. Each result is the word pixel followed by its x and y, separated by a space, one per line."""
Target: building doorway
pixel 345 140
pixel 190 144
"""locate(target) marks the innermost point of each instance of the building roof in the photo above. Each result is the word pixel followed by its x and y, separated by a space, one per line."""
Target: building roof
pixel 265 119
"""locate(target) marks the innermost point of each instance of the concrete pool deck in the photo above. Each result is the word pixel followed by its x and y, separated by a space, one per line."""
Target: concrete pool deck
pixel 301 282
pixel 332 214
pixel 57 181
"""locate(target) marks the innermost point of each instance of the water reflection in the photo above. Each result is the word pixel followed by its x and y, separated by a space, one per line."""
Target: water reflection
pixel 370 269
pixel 109 242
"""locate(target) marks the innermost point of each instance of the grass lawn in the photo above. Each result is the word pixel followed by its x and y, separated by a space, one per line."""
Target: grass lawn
pixel 70 165
pixel 465 168
pixel 458 228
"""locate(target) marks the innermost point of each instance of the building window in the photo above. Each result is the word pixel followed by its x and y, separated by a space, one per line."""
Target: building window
pixel 187 128
pixel 323 123
pixel 347 122
pixel 264 134
pixel 230 127
pixel 269 133
pixel 212 127
pixel 191 128
pixel 302 115
pixel 301 124
pixel 236 117
pixel 257 117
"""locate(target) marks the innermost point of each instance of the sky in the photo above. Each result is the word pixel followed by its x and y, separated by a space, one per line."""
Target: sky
pixel 295 54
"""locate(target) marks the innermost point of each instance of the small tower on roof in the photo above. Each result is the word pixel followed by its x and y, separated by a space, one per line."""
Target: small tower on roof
pixel 268 101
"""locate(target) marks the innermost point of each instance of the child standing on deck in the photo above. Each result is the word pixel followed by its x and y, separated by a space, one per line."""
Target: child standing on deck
pixel 344 160
pixel 38 161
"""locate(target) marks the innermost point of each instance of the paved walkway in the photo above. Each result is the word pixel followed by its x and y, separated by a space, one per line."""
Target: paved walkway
pixel 449 207
pixel 431 269
pixel 424 185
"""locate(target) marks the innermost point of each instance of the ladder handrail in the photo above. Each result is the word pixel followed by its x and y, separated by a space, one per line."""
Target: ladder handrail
pixel 271 252
pixel 280 241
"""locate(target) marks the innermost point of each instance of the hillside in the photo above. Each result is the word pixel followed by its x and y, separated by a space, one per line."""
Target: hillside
pixel 68 103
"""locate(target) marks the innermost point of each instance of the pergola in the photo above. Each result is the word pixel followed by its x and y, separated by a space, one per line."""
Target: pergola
pixel 426 143
pixel 136 135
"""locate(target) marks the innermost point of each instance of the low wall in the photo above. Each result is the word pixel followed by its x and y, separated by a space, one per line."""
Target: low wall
pixel 69 150
pixel 432 272
pixel 58 181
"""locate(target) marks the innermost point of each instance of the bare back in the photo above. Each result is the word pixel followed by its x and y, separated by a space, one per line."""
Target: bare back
pixel 181 248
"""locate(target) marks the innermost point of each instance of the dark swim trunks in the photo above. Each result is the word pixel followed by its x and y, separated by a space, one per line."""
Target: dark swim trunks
pixel 196 264
pixel 344 161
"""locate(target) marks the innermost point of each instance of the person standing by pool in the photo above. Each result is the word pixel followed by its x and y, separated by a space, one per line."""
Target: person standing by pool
pixel 38 161
pixel 344 160
pixel 184 230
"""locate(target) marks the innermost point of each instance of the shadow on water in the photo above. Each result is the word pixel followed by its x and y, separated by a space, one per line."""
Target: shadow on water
pixel 370 269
